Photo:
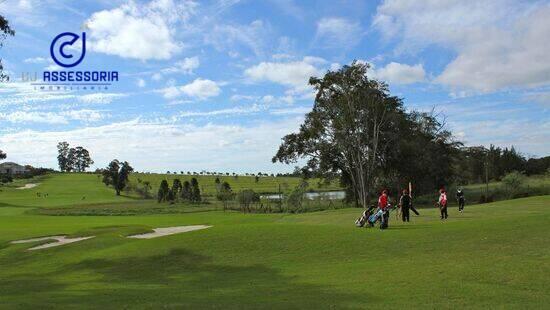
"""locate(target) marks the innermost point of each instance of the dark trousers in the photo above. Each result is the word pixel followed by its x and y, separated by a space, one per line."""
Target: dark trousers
pixel 460 204
pixel 443 212
pixel 405 213
pixel 414 210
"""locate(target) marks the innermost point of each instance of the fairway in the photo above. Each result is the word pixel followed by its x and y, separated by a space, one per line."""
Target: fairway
pixel 493 256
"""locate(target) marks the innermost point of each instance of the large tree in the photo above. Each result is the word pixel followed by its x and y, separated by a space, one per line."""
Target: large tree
pixel 117 175
pixel 82 159
pixel 5 31
pixel 349 130
pixel 73 159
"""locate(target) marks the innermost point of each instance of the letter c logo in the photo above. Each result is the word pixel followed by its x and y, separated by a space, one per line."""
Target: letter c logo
pixel 67 60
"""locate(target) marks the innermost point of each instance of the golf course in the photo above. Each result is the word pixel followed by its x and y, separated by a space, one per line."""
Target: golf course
pixel 494 255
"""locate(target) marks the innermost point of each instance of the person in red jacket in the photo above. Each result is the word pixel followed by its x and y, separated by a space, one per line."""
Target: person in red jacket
pixel 443 203
pixel 383 205
pixel 383 200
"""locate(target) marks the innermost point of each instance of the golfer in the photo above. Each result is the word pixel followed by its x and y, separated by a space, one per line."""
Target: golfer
pixel 460 199
pixel 405 203
pixel 443 204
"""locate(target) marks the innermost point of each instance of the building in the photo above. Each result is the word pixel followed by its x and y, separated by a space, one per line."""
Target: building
pixel 12 168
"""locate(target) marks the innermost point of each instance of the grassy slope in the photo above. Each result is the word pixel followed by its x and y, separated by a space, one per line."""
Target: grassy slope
pixel 207 185
pixel 493 256
pixel 62 189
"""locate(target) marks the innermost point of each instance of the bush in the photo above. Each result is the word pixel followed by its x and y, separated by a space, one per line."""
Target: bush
pixel 513 183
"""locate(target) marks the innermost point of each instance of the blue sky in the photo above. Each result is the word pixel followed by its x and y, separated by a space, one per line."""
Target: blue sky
pixel 215 85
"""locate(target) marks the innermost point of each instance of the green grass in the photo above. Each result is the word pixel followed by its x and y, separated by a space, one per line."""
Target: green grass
pixel 493 256
pixel 62 190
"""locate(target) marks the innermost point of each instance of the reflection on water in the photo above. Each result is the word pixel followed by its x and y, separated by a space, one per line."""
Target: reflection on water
pixel 333 195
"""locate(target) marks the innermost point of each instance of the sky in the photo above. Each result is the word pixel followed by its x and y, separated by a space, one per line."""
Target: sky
pixel 215 85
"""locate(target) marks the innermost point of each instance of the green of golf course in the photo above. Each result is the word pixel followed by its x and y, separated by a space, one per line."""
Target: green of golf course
pixel 494 255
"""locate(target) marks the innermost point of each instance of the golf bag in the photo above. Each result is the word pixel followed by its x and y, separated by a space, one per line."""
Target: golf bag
pixel 360 222
pixel 381 214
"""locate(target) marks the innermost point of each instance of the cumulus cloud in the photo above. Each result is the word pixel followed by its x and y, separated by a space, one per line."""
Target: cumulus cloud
pixel 294 74
pixel 186 66
pixel 200 88
pixel 397 73
pixel 139 31
pixel 337 32
pixel 499 44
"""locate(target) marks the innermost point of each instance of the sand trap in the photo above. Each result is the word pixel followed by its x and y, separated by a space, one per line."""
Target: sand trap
pixel 60 240
pixel 166 231
pixel 27 186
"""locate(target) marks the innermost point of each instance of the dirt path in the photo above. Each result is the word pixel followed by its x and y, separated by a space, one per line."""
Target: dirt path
pixel 166 231
pixel 28 185
pixel 60 240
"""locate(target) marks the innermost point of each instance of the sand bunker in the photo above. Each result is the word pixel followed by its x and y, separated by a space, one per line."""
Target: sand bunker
pixel 60 240
pixel 27 186
pixel 159 232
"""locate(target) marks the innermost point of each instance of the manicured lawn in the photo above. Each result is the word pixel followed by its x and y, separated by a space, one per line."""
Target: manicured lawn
pixel 493 256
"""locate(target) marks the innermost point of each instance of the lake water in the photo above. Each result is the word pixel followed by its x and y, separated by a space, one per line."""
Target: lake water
pixel 332 195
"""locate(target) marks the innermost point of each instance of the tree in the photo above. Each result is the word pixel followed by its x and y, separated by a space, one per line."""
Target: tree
pixel 186 191
pixel 225 194
pixel 117 175
pixel 63 156
pixel 246 198
pixel 195 191
pixel 176 187
pixel 5 31
pixel 3 155
pixel 349 129
pixel 162 194
pixel 82 159
pixel 73 159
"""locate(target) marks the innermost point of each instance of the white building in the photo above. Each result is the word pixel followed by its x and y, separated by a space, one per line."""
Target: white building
pixel 12 168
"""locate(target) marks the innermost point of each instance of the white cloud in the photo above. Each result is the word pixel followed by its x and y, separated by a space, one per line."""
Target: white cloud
pixel 294 74
pixel 186 66
pixel 141 83
pixel 156 77
pixel 139 31
pixel 397 73
pixel 52 117
pixel 253 36
pixel 213 147
pixel 35 60
pixel 337 32
pixel 201 88
pixel 499 44
pixel 100 98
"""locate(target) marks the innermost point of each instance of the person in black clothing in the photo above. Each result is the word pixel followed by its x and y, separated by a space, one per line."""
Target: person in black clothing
pixel 405 202
pixel 460 199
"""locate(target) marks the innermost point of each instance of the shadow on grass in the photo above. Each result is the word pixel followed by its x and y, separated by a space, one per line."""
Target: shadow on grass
pixel 179 279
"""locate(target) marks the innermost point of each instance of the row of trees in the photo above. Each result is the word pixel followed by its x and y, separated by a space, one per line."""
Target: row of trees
pixel 476 164
pixel 73 159
pixel 186 191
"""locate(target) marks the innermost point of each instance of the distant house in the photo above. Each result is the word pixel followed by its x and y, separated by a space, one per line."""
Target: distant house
pixel 12 168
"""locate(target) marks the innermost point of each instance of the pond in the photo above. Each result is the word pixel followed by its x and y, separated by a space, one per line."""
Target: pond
pixel 331 195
